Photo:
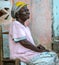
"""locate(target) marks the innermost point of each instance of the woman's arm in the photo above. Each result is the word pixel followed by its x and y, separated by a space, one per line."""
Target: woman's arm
pixel 29 45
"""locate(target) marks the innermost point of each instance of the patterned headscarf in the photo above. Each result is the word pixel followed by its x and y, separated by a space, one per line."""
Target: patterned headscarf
pixel 16 7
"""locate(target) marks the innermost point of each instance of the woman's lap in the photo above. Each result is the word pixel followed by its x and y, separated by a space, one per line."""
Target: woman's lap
pixel 45 58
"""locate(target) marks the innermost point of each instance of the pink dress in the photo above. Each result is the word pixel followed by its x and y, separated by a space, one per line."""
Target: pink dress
pixel 19 32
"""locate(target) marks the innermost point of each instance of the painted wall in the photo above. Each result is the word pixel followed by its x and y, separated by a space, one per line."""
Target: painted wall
pixel 41 22
pixel 56 17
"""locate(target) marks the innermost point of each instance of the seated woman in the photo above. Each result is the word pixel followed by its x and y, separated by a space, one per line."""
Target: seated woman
pixel 21 43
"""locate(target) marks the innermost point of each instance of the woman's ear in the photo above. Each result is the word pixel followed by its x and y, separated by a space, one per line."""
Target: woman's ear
pixel 17 15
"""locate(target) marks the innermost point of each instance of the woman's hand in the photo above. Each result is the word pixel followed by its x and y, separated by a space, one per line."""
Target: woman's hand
pixel 42 48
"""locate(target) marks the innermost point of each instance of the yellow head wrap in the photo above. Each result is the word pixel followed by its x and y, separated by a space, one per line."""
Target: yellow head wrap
pixel 20 4
pixel 16 7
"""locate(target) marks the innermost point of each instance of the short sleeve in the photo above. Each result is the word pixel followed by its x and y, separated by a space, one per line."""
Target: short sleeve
pixel 18 33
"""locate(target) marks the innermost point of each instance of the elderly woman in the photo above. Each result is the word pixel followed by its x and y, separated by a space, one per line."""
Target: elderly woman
pixel 21 44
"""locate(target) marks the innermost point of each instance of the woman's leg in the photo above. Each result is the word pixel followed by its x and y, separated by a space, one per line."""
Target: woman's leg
pixel 45 58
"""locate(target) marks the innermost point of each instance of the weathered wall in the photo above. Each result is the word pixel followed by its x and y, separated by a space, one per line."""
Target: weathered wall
pixel 56 18
pixel 41 22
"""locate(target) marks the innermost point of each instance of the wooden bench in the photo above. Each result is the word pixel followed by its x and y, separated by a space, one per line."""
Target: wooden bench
pixel 6 61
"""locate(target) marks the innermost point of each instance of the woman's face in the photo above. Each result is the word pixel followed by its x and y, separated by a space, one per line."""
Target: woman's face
pixel 24 13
